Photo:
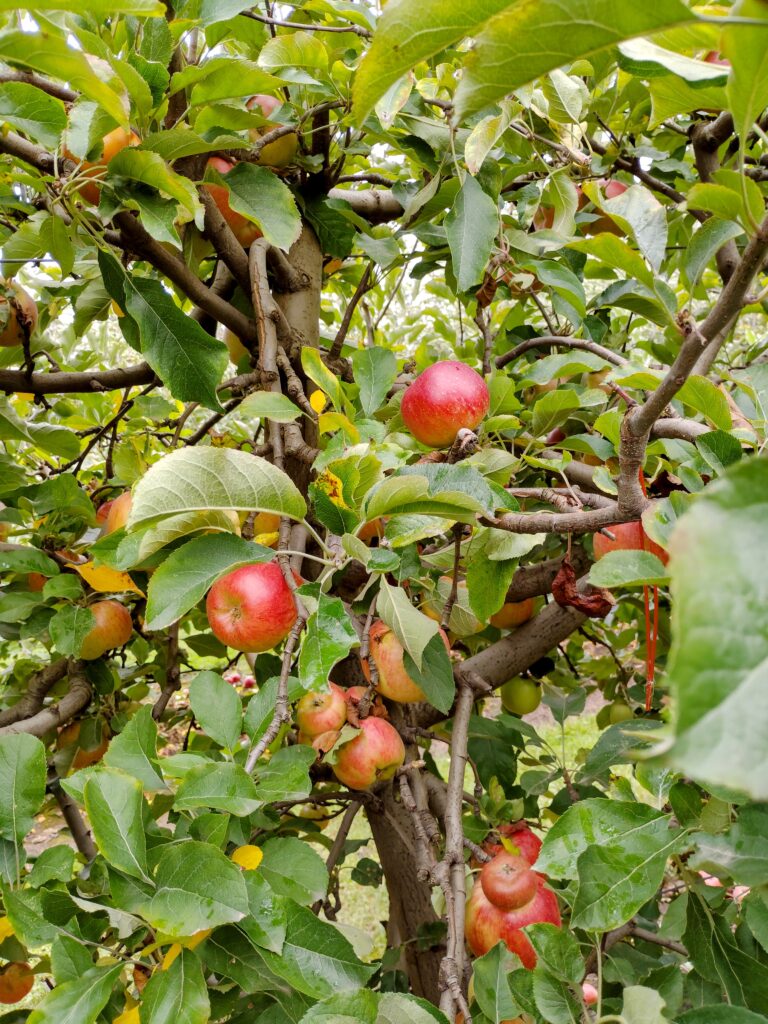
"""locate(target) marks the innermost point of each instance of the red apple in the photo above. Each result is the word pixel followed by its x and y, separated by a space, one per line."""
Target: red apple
pixel 251 609
pixel 527 842
pixel 18 314
pixel 249 682
pixel 513 613
pixel 244 230
pixel 103 511
pixel 387 653
pixel 232 677
pixel 483 922
pixel 317 713
pixel 604 222
pixel 113 628
pixel 353 695
pixel 16 981
pixel 627 537
pixel 444 398
pixel 373 755
pixel 486 924
pixel 117 514
pixel 282 151
pixel 589 994
pixel 508 881
pixel 112 143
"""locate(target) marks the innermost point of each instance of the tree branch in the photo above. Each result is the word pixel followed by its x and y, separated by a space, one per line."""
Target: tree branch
pixel 70 705
pixel 38 688
pixel 72 382
pixel 555 340
pixel 363 286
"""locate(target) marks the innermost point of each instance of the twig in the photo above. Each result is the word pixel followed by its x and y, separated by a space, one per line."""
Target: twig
pixel 363 286
pixel 172 673
pixel 74 819
pixel 358 30
pixel 458 533
pixel 554 341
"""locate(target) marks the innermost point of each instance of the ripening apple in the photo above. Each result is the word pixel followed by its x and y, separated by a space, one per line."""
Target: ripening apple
pixel 387 653
pixel 244 230
pixel 589 994
pixel 513 613
pixel 117 513
pixel 508 881
pixel 526 841
pixel 604 222
pixel 317 713
pixel 36 581
pixel 521 696
pixel 443 399
pixel 715 57
pixel 84 757
pixel 112 144
pixel 620 712
pixel 18 314
pixel 112 629
pixel 373 530
pixel 486 924
pixel 627 537
pixel 282 151
pixel 373 755
pixel 235 347
pixel 483 922
pixel 251 609
pixel 16 981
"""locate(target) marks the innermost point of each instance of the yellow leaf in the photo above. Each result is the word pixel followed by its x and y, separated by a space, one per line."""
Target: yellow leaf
pixel 105 580
pixel 248 857
pixel 331 421
pixel 6 929
pixel 269 540
pixel 318 401
pixel 128 1017
pixel 191 943
pixel 332 486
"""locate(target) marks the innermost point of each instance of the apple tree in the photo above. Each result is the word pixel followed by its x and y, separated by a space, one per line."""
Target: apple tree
pixel 383 512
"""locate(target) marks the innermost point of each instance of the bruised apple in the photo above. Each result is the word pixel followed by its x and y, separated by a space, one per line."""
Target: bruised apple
pixel 18 314
pixel 387 653
pixel 445 398
pixel 251 609
pixel 508 881
pixel 374 754
pixel 282 151
pixel 244 230
pixel 112 629
pixel 627 537
pixel 112 144
pixel 317 713
pixel 513 613
pixel 16 981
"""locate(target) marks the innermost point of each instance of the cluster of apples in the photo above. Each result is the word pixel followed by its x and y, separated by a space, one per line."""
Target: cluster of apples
pixel 508 895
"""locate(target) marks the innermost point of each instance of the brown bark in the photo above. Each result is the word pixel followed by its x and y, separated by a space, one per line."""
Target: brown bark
pixel 410 906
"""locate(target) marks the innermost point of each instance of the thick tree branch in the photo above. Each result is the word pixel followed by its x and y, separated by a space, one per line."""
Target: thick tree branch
pixel 38 688
pixel 75 382
pixel 61 92
pixel 71 704
pixel 375 205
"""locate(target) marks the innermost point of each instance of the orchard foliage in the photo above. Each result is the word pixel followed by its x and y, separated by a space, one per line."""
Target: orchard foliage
pixel 232 236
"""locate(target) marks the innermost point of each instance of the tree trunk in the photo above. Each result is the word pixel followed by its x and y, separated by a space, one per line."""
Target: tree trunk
pixel 410 906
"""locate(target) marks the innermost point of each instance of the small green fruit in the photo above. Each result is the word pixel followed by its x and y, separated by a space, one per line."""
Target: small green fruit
pixel 620 712
pixel 521 696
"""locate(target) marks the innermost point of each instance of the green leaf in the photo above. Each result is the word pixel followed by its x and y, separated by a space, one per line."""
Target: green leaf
pixel 628 569
pixel 285 776
pixel 150 169
pixel 217 708
pixel 222 78
pixel 515 47
pixel 213 478
pixel 671 96
pixel 294 869
pixel 741 854
pixel 54 864
pixel 746 49
pixel 471 227
pixel 270 405
pixel 644 58
pixel 492 990
pixel 22 784
pixel 641 213
pixel 329 638
pixel 643 1006
pixel 375 370
pixel 69 627
pixel 218 786
pixel 711 236
pixel 266 924
pixel 316 958
pixel 134 750
pixel 614 251
pixel 717 602
pixel 558 952
pixel 265 199
pixel 300 57
pixel 24 560
pixel 178 995
pixel 98 8
pixel 719 449
pixel 261 706
pixel 52 56
pixel 433 489
pixel 552 408
pixel 314 367
pixel 705 397
pixel 721 1015
pixel 33 112
pixel 412 627
pixel 114 803
pixel 189 572
pixel 79 1001
pixel 197 888
pixel 491 746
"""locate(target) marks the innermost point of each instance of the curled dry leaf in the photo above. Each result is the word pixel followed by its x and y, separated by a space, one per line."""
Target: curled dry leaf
pixel 595 602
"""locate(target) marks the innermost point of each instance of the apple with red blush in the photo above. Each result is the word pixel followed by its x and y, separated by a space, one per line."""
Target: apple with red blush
pixel 443 399
pixel 251 609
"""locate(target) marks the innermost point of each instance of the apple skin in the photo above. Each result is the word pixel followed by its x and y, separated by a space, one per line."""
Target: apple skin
pixel 117 515
pixel 112 143
pixel 442 400
pixel 113 628
pixel 627 537
pixel 619 712
pixel 589 994
pixel 387 653
pixel 486 924
pixel 604 222
pixel 36 581
pixel 244 230
pixel 21 320
pixel 251 609
pixel 282 151
pixel 521 696
pixel 527 842
pixel 508 881
pixel 483 922
pixel 317 713
pixel 373 755
pixel 16 981
pixel 84 757
pixel 513 613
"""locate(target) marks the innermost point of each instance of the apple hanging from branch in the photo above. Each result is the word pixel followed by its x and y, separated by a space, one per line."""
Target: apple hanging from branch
pixel 444 398
pixel 251 609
